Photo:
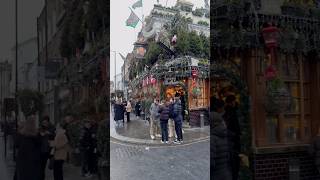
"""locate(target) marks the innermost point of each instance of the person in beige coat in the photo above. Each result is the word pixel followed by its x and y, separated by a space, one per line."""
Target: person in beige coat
pixel 60 149
pixel 128 110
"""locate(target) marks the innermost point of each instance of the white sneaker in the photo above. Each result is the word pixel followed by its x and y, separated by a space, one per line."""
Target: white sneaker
pixel 176 142
pixel 152 137
pixel 162 142
pixel 167 142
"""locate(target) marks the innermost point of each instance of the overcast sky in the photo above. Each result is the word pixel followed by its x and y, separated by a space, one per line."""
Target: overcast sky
pixel 28 11
pixel 123 37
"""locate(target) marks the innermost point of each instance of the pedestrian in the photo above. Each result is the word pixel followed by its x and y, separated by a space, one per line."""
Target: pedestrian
pixel 154 119
pixel 86 149
pixel 128 110
pixel 94 158
pixel 138 108
pixel 231 119
pixel 164 117
pixel 177 117
pixel 221 147
pixel 118 112
pixel 315 150
pixel 60 149
pixel 28 143
pixel 172 132
pixel 47 134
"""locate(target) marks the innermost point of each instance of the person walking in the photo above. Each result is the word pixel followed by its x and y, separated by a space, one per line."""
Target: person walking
pixel 47 134
pixel 128 110
pixel 232 123
pixel 86 149
pixel 164 117
pixel 138 109
pixel 177 117
pixel 28 143
pixel 118 112
pixel 60 149
pixel 221 146
pixel 154 119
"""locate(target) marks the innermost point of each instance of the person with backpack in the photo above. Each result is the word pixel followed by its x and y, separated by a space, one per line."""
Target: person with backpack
pixel 164 117
pixel 177 117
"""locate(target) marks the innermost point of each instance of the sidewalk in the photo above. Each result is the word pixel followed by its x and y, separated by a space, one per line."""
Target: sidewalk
pixel 137 132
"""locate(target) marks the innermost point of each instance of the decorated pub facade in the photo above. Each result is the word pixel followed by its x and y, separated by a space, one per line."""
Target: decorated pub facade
pixel 269 58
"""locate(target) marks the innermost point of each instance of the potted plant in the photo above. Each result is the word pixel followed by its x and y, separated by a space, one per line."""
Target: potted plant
pixel 103 136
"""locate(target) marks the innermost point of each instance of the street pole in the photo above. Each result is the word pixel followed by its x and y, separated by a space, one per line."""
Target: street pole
pixel 115 73
pixel 16 85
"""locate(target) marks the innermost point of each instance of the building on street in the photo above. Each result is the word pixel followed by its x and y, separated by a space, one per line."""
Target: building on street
pixel 269 59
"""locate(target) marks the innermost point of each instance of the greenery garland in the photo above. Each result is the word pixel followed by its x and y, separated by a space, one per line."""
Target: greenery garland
pixel 244 116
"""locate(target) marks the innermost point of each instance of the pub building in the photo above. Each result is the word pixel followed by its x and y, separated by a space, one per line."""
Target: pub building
pixel 266 52
pixel 185 75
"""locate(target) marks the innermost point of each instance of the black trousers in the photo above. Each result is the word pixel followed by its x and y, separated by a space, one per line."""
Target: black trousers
pixel 43 165
pixel 178 128
pixel 128 116
pixel 164 130
pixel 58 169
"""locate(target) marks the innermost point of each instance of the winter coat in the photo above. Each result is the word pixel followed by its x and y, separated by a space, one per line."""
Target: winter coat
pixel 164 113
pixel 45 145
pixel 221 148
pixel 28 157
pixel 128 107
pixel 177 111
pixel 86 139
pixel 154 111
pixel 315 150
pixel 118 112
pixel 60 145
pixel 138 108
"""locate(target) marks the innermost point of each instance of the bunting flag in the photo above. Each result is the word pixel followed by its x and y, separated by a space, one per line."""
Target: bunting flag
pixel 122 57
pixel 133 20
pixel 137 4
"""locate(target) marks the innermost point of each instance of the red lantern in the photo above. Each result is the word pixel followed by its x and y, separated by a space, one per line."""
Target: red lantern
pixel 270 35
pixel 270 72
pixel 194 73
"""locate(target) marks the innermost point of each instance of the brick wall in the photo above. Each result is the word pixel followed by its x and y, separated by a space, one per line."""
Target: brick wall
pixel 276 166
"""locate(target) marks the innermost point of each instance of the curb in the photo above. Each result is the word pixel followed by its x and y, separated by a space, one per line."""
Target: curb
pixel 148 142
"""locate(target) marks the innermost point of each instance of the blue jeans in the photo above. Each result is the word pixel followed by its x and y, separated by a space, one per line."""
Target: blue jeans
pixel 164 130
pixel 178 127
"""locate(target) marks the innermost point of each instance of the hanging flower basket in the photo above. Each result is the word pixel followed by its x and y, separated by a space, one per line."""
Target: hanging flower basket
pixel 278 98
pixel 196 92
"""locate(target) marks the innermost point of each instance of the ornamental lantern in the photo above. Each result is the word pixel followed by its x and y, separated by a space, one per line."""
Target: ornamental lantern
pixel 270 35
pixel 194 73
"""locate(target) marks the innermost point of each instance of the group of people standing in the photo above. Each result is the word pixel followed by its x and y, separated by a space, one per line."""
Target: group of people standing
pixel 159 119
pixel 226 133
pixel 48 146
pixel 36 146
pixel 122 108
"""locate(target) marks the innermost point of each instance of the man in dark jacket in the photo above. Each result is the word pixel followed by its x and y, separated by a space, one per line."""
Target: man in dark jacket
pixel 164 117
pixel 177 117
pixel 118 112
pixel 221 146
pixel 86 148
pixel 137 108
pixel 47 133
pixel 232 123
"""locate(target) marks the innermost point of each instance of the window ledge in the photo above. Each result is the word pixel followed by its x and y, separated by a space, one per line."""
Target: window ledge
pixel 281 148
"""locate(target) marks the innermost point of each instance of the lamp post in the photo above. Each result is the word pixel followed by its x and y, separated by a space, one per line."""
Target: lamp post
pixel 115 73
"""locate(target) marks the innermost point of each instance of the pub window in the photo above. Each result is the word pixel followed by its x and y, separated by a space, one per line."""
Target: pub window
pixel 292 125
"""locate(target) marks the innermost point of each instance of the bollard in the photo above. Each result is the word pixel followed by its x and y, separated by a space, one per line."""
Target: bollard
pixel 201 120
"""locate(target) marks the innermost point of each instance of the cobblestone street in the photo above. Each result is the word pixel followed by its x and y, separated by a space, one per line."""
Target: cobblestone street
pixel 188 162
